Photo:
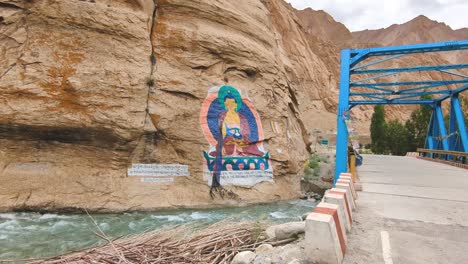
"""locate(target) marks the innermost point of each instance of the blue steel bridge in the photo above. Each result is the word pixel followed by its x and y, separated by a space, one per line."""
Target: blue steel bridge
pixel 361 84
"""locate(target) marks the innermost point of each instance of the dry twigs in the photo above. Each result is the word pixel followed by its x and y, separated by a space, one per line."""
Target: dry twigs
pixel 218 243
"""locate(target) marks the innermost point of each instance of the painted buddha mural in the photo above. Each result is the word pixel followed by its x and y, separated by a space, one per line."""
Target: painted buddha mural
pixel 233 128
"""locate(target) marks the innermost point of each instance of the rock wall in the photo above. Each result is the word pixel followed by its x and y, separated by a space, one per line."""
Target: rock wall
pixel 89 88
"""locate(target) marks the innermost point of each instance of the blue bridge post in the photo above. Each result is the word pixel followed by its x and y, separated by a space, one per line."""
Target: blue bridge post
pixel 460 122
pixel 343 107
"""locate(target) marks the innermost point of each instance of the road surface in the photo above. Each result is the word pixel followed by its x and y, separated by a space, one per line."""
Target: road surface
pixel 410 211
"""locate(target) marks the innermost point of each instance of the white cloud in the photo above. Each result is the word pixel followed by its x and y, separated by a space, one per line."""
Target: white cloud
pixel 368 14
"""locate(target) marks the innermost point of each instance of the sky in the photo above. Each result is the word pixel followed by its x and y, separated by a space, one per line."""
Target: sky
pixel 367 14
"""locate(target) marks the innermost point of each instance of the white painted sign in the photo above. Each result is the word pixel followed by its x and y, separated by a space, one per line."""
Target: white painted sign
pixel 242 178
pixel 158 170
pixel 29 168
pixel 157 180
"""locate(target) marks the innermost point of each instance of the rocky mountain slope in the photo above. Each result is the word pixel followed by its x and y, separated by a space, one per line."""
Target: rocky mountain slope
pixel 322 28
pixel 418 30
pixel 89 89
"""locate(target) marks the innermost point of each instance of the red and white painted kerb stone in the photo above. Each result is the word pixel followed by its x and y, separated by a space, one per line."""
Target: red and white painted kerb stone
pixel 350 183
pixel 322 240
pixel 341 187
pixel 348 207
pixel 333 209
pixel 339 199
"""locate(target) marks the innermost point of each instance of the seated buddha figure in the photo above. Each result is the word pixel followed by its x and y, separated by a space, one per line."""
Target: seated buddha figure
pixel 234 127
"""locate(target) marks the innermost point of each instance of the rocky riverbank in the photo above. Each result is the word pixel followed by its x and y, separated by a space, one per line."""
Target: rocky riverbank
pixel 223 242
pixel 33 235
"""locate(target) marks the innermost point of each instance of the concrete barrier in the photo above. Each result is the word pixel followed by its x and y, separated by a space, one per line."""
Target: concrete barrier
pixel 346 176
pixel 356 185
pixel 339 199
pixel 346 188
pixel 347 199
pixel 328 208
pixel 350 183
pixel 322 240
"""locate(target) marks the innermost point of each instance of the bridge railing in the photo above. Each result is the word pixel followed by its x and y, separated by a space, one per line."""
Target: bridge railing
pixel 456 156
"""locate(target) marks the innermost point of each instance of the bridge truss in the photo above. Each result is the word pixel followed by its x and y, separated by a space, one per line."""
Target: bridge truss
pixel 362 84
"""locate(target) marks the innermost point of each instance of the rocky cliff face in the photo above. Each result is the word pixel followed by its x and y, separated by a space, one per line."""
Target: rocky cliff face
pixel 90 89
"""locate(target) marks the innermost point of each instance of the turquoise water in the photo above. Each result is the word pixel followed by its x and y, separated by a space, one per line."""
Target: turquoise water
pixel 30 235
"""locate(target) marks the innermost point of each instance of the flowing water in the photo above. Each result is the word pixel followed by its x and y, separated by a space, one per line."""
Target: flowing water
pixel 30 235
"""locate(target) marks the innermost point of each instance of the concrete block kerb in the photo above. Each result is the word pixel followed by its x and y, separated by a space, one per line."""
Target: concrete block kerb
pixel 344 188
pixel 322 242
pixel 347 188
pixel 348 207
pixel 341 219
pixel 346 176
pixel 339 200
pixel 351 185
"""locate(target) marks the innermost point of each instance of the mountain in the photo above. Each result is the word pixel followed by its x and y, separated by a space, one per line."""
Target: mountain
pixel 321 27
pixel 418 30
pixel 320 23
pixel 421 29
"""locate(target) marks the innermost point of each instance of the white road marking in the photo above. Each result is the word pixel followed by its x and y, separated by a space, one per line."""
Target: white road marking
pixel 386 249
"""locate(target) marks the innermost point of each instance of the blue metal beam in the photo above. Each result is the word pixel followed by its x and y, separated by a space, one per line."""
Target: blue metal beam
pixel 374 97
pixel 454 73
pixel 441 126
pixel 358 56
pixel 460 123
pixel 417 48
pixel 397 93
pixel 378 88
pixel 343 107
pixel 452 128
pixel 392 102
pixel 375 62
pixel 375 77
pixel 425 87
pixel 412 69
pixel 461 89
pixel 439 83
pixel 429 144
pixel 454 92
pixel 412 96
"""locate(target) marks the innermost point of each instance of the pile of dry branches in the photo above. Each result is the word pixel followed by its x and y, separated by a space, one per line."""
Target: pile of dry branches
pixel 218 243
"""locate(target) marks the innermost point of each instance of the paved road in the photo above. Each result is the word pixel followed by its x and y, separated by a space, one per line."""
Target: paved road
pixel 410 211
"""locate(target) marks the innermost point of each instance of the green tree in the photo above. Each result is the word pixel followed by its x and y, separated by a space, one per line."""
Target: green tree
pixel 377 130
pixel 464 105
pixel 396 138
pixel 416 126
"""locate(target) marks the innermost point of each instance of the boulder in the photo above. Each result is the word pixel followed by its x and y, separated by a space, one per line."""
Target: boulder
pixel 244 257
pixel 270 232
pixel 290 252
pixel 264 249
pixel 262 260
pixel 288 230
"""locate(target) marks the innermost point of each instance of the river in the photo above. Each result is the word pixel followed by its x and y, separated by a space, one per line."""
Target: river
pixel 31 235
